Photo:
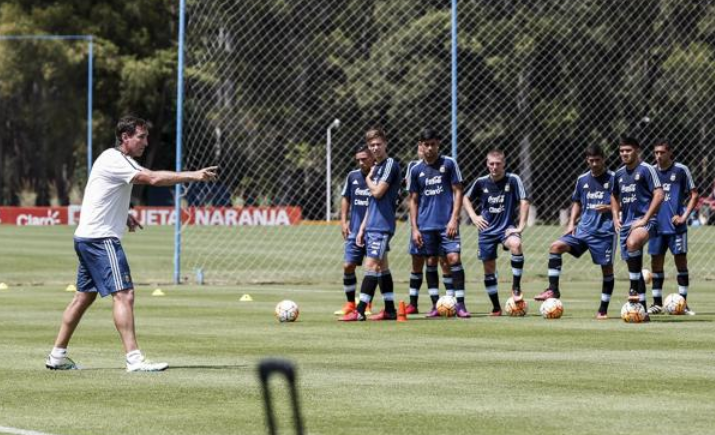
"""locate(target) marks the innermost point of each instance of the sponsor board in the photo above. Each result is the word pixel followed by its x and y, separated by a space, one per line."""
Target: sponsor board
pixel 203 216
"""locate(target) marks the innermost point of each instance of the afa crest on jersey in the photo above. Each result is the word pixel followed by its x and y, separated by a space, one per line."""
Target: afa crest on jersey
pixel 672 177
pixel 442 169
pixel 638 177
pixel 507 188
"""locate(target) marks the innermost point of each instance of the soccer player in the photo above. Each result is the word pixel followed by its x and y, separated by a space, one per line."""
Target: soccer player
pixel 377 229
pixel 418 265
pixel 594 233
pixel 103 267
pixel 672 216
pixel 353 206
pixel 436 191
pixel 636 196
pixel 500 194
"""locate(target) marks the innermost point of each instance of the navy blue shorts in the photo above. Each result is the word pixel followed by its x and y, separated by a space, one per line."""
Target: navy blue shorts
pixel 602 248
pixel 488 245
pixel 103 267
pixel 677 243
pixel 625 230
pixel 377 244
pixel 436 244
pixel 353 253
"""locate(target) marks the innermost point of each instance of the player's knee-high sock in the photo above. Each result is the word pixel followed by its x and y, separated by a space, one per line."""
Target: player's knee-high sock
pixel 387 289
pixel 683 283
pixel 458 281
pixel 367 290
pixel 490 283
pixel 517 268
pixel 433 283
pixel 555 262
pixel 448 285
pixel 415 285
pixel 606 292
pixel 635 266
pixel 349 285
pixel 657 290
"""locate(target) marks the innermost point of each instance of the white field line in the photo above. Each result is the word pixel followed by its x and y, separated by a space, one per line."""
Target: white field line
pixel 16 431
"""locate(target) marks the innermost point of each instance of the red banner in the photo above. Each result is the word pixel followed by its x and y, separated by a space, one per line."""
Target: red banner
pixel 204 216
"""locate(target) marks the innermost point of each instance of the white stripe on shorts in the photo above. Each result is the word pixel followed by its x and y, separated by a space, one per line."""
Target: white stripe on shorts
pixel 114 264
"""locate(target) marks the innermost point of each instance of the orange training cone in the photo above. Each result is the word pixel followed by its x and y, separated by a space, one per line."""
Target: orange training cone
pixel 401 316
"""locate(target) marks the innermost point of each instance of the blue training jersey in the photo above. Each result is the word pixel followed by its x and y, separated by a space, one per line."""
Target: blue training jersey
pixel 434 184
pixel 634 190
pixel 499 201
pixel 590 192
pixel 677 183
pixel 358 195
pixel 381 212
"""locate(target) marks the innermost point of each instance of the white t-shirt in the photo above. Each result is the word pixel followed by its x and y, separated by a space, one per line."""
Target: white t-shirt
pixel 105 206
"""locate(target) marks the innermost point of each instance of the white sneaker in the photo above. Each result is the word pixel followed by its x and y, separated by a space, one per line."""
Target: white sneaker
pixel 144 365
pixel 688 311
pixel 655 309
pixel 63 363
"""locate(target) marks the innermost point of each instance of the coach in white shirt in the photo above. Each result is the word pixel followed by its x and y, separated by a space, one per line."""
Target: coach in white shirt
pixel 103 267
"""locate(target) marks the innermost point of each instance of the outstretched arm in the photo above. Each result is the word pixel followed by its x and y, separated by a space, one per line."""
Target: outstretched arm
pixel 170 178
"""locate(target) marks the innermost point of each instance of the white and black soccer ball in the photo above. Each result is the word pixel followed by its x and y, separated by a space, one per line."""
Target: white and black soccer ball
pixel 675 304
pixel 516 309
pixel 287 311
pixel 633 312
pixel 552 308
pixel 447 306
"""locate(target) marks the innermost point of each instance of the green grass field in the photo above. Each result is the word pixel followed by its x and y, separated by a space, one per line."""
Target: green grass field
pixel 484 375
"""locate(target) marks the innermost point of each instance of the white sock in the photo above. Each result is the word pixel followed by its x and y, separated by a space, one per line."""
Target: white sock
pixel 58 352
pixel 134 356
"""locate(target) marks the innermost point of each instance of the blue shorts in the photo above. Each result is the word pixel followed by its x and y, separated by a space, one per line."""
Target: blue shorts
pixel 436 244
pixel 602 248
pixel 377 244
pixel 102 267
pixel 488 245
pixel 677 243
pixel 353 253
pixel 651 227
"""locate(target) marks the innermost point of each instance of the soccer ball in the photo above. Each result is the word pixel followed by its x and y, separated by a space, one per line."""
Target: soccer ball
pixel 516 309
pixel 675 304
pixel 633 312
pixel 287 311
pixel 447 306
pixel 647 276
pixel 552 308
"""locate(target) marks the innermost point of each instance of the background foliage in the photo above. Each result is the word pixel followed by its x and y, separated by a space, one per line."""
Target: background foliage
pixel 583 73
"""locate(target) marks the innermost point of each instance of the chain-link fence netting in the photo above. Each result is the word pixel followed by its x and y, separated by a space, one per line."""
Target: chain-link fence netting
pixel 540 79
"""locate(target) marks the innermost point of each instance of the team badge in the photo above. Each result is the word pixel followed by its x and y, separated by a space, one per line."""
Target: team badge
pixel 605 185
pixel 672 177
pixel 442 169
pixel 638 177
pixel 485 190
pixel 507 188
pixel 620 180
pixel 585 186
pixel 422 174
